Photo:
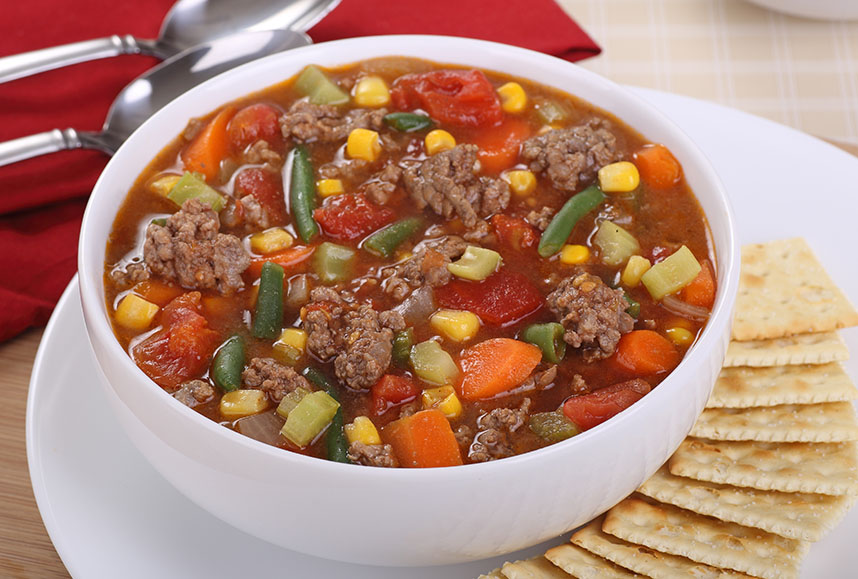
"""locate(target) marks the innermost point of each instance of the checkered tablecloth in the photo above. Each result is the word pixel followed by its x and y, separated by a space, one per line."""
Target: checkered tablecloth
pixel 798 72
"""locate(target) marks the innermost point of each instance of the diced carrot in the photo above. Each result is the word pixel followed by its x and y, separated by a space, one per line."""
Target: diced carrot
pixel 495 366
pixel 157 292
pixel 645 352
pixel 499 145
pixel 422 440
pixel 286 258
pixel 657 166
pixel 701 291
pixel 209 147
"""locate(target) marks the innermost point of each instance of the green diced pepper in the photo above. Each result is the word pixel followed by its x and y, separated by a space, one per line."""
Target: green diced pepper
pixel 549 338
pixel 552 426
pixel 402 343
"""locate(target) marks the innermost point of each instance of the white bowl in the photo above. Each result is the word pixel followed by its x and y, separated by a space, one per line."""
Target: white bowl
pixel 403 516
pixel 817 9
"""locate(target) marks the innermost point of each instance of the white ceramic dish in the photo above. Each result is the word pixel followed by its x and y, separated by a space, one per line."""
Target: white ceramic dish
pixel 817 9
pixel 356 514
pixel 104 505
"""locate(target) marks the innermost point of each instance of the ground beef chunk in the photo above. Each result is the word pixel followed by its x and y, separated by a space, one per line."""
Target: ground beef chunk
pixel 273 378
pixel 260 153
pixel 540 219
pixel 593 314
pixel 428 266
pixel 578 385
pixel 190 250
pixel 352 170
pixel 572 156
pixel 464 436
pixel 372 454
pixel 255 215
pixel 125 277
pixel 410 409
pixel 307 122
pixel 194 392
pixel 381 189
pixel 449 184
pixel 540 380
pixel 492 441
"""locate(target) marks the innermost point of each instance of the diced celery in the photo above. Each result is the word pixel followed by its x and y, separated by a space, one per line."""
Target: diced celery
pixel 476 264
pixel 286 354
pixel 309 418
pixel 193 186
pixel 313 83
pixel 552 426
pixel 432 364
pixel 550 112
pixel 671 275
pixel 616 244
pixel 333 262
pixel 291 400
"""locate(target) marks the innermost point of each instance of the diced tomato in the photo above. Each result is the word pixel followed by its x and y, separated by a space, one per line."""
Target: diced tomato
pixel 182 350
pixel 392 391
pixel 257 122
pixel 266 187
pixel 285 258
pixel 499 146
pixel 596 407
pixel 503 298
pixel 456 97
pixel 350 217
pixel 515 231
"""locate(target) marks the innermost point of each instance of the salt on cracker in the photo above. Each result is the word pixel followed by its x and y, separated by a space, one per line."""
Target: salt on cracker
pixel 829 468
pixel 802 516
pixel 676 531
pixel 804 384
pixel 583 564
pixel 644 560
pixel 818 348
pixel 536 568
pixel 826 422
pixel 495 574
pixel 784 290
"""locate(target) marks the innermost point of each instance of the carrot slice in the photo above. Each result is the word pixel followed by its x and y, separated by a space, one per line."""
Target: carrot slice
pixel 157 292
pixel 495 366
pixel 422 440
pixel 210 146
pixel 645 352
pixel 701 291
pixel 658 167
pixel 499 145
pixel 285 258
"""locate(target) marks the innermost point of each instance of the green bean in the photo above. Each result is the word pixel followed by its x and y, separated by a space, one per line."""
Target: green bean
pixel 385 241
pixel 561 226
pixel 302 194
pixel 228 364
pixel 402 343
pixel 269 302
pixel 549 338
pixel 408 122
pixel 336 445
pixel 634 309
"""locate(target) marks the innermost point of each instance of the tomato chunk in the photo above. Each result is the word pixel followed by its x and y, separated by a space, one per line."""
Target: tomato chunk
pixel 503 298
pixel 458 97
pixel 515 231
pixel 257 122
pixel 182 350
pixel 266 187
pixel 392 391
pixel 350 217
pixel 596 407
pixel 499 146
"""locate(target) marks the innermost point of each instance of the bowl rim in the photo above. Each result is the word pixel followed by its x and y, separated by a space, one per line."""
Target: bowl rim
pixel 97 321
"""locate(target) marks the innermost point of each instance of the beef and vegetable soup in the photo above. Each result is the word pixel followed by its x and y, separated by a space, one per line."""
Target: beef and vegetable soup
pixel 398 263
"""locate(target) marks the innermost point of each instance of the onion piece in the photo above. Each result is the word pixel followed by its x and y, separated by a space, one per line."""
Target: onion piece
pixel 676 306
pixel 264 427
pixel 418 306
pixel 298 293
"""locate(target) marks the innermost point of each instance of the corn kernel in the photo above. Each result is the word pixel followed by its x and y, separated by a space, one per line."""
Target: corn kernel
pixel 240 403
pixel 362 430
pixel 513 97
pixel 635 268
pixel 574 254
pixel 444 399
pixel 521 182
pixel 680 336
pixel 294 337
pixel 619 177
pixel 135 313
pixel 459 326
pixel 271 240
pixel 164 184
pixel 438 141
pixel 371 91
pixel 330 187
pixel 363 144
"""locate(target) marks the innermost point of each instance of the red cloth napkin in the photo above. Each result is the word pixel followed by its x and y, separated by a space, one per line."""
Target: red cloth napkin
pixel 42 200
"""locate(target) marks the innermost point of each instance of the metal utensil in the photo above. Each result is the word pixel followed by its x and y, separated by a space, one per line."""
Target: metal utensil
pixel 154 89
pixel 187 24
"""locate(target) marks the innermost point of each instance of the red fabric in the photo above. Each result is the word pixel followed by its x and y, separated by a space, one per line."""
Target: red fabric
pixel 42 200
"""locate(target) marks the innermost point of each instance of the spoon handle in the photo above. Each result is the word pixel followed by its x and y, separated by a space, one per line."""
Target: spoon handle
pixel 28 63
pixel 38 144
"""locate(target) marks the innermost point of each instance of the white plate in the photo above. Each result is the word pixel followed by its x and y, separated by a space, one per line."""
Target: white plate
pixel 110 514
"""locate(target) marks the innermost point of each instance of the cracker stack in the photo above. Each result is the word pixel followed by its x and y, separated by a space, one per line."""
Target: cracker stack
pixel 770 466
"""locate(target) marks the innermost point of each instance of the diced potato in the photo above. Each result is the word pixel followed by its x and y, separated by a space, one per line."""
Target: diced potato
pixel 363 144
pixel 521 182
pixel 135 313
pixel 513 98
pixel 439 140
pixel 574 254
pixel 635 268
pixel 162 185
pixel 455 325
pixel 271 240
pixel 240 403
pixel 371 91
pixel 680 336
pixel 444 399
pixel 621 177
pixel 295 338
pixel 330 187
pixel 362 430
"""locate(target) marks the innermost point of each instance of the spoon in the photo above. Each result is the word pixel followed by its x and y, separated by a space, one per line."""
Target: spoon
pixel 154 89
pixel 187 24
